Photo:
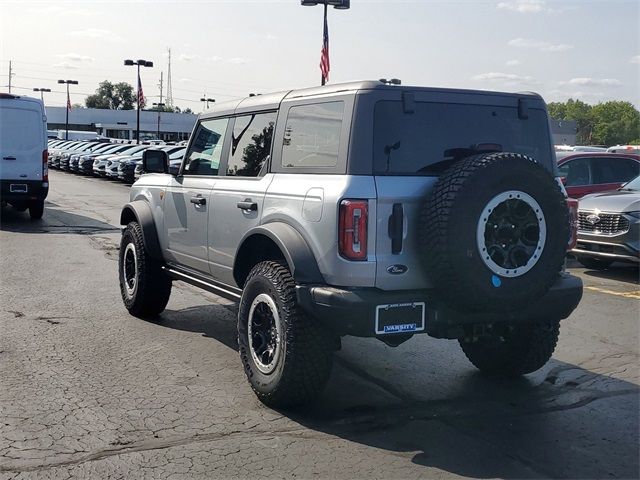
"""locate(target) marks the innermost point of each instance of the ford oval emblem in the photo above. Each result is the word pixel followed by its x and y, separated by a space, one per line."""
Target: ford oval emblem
pixel 593 219
pixel 397 269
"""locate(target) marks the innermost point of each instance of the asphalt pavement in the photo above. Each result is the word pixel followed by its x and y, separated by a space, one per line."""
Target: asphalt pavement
pixel 87 391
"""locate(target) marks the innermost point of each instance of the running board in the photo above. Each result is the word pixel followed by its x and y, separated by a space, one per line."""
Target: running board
pixel 225 291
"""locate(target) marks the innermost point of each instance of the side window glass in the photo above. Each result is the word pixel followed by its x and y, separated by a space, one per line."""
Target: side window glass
pixel 251 144
pixel 203 156
pixel 312 135
pixel 577 172
pixel 614 170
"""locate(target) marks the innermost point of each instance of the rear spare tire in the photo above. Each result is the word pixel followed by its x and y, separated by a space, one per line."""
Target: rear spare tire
pixel 493 232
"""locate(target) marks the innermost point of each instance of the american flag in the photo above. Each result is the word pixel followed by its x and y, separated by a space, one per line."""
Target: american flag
pixel 324 55
pixel 68 102
pixel 141 101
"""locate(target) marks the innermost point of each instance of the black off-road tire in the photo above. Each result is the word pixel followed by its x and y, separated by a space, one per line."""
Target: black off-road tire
pixel 149 294
pixel 594 263
pixel 36 209
pixel 449 224
pixel 304 364
pixel 524 349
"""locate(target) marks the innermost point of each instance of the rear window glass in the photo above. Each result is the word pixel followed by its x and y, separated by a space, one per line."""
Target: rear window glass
pixel 312 135
pixel 21 129
pixel 614 170
pixel 409 143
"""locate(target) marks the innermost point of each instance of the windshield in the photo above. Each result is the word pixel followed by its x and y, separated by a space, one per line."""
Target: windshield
pixel 408 143
pixel 633 185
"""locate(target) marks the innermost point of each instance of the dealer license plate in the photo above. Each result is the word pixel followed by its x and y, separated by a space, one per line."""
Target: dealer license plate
pixel 400 318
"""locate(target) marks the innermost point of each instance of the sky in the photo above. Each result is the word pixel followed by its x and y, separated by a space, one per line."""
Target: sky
pixel 226 49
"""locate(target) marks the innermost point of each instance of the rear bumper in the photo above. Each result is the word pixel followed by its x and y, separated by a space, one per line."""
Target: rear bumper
pixel 352 312
pixel 35 190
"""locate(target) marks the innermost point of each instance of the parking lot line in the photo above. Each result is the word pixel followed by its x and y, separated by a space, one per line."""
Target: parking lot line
pixel 635 294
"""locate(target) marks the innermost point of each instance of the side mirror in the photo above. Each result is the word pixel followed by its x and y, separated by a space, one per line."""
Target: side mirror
pixel 155 161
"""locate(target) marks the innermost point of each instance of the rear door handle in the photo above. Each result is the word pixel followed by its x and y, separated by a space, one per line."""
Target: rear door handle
pixel 247 205
pixel 8 158
pixel 198 200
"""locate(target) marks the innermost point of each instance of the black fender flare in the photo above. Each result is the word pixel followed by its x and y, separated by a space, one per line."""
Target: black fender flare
pixel 295 249
pixel 140 212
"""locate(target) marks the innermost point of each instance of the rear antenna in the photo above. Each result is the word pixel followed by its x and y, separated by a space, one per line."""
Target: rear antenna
pixel 393 81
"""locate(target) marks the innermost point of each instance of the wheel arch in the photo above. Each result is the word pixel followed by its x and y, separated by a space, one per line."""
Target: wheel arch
pixel 140 211
pixel 276 241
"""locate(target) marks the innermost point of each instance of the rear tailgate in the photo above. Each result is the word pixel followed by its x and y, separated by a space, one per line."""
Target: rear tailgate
pixel 398 209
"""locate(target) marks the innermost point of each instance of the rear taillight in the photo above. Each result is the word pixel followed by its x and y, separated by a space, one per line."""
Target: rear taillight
pixel 572 203
pixel 352 229
pixel 45 165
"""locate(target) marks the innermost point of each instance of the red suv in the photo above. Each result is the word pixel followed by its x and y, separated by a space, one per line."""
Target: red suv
pixel 593 172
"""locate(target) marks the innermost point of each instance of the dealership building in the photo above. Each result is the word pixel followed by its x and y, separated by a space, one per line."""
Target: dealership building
pixel 122 123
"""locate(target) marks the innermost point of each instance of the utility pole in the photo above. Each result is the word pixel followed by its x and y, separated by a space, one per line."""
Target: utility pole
pixel 10 76
pixel 160 104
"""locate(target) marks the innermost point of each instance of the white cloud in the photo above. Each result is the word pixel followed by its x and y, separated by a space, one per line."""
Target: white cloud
pixel 185 80
pixel 186 58
pixel 60 10
pixel 214 58
pixel 96 33
pixel 238 60
pixel 270 36
pixel 513 63
pixel 635 59
pixel 593 82
pixel 539 45
pixel 66 66
pixel 524 6
pixel 507 78
pixel 75 57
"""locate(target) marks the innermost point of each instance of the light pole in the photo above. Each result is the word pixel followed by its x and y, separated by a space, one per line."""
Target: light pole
pixel 139 63
pixel 324 58
pixel 68 82
pixel 41 90
pixel 207 100
pixel 160 107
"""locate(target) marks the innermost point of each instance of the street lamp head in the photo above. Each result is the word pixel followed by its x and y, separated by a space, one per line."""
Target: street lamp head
pixel 45 89
pixel 61 81
pixel 36 89
pixel 148 64
pixel 203 99
pixel 72 82
pixel 211 99
pixel 129 62
pixel 340 4
pixel 308 3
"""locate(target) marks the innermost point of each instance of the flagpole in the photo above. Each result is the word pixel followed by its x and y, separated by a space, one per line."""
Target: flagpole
pixel 325 34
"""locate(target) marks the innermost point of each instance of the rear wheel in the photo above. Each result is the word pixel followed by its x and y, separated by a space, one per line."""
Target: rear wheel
pixel 144 287
pixel 595 263
pixel 286 355
pixel 513 350
pixel 36 209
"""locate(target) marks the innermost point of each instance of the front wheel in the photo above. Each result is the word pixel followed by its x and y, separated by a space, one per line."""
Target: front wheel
pixel 286 355
pixel 514 350
pixel 144 287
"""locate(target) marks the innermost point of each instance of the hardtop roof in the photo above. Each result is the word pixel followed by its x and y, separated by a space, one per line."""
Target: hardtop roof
pixel 272 100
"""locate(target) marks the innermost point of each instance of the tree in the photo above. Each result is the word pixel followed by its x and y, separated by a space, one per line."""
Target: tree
pixel 615 123
pixel 256 153
pixel 118 96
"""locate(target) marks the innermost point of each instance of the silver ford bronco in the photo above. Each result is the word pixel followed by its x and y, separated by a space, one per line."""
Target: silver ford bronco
pixel 363 209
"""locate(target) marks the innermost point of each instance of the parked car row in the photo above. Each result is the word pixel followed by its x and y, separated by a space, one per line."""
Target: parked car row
pixel 116 161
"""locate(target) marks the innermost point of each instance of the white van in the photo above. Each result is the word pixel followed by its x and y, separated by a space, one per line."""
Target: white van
pixel 24 175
